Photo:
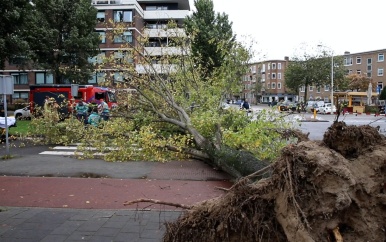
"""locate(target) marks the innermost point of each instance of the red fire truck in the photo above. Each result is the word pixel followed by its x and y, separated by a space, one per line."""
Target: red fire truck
pixel 64 94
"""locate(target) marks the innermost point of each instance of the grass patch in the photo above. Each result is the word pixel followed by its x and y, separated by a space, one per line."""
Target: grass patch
pixel 23 127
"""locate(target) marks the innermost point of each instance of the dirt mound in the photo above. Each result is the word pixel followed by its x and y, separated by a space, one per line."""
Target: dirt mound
pixel 314 194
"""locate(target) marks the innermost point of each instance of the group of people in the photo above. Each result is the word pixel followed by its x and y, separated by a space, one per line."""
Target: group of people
pixel 97 112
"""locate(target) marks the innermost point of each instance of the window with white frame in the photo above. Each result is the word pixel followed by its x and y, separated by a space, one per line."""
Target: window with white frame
pixel 310 88
pixel 269 66
pixel 318 89
pixel 279 76
pixel 279 85
pixel 44 78
pixel 302 89
pixel 349 72
pixel 369 68
pixel 125 16
pixel 359 60
pixel 273 75
pixel 326 87
pixel 279 66
pixel 122 57
pixel 20 78
pixel 380 71
pixel 359 71
pixel 369 61
pixel 273 85
pixel 348 61
pixel 381 57
pixel 369 74
pixel 273 66
pixel 268 85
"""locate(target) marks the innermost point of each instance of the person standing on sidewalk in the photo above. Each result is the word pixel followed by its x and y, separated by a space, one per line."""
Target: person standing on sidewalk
pixel 104 110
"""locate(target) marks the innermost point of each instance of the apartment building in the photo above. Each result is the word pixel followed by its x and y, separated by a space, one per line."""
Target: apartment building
pixel 369 63
pixel 265 82
pixel 139 18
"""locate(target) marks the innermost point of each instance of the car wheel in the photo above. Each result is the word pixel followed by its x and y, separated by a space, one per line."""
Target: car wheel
pixel 18 116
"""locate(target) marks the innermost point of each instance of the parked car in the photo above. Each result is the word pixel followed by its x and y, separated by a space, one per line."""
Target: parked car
pixel 314 105
pixel 327 108
pixel 287 106
pixel 23 113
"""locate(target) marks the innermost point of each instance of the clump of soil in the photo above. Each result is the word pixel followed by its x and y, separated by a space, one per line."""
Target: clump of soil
pixel 317 192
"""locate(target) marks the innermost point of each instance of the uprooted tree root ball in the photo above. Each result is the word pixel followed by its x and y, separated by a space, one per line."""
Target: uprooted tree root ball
pixel 314 194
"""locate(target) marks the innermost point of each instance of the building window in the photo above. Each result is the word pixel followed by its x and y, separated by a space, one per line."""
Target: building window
pixel 359 72
pixel 381 57
pixel 302 89
pixel 99 59
pixel 123 16
pixel 269 66
pixel 380 71
pixel 122 57
pixel 326 88
pixel 369 68
pixel 273 66
pixel 279 66
pixel 318 89
pixel 125 37
pixel 369 61
pixel 20 78
pixel 153 8
pixel 349 72
pixel 368 74
pixel 273 85
pixel 268 85
pixel 311 88
pixel 348 61
pixel 273 75
pixel 101 16
pixel 102 36
pixel 279 76
pixel 98 77
pixel 20 95
pixel 44 78
pixel 279 85
pixel 359 60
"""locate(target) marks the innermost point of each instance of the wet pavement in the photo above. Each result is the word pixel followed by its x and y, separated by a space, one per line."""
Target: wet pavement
pixel 60 198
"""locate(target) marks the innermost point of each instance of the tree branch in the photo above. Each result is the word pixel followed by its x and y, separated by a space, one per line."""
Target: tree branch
pixel 145 200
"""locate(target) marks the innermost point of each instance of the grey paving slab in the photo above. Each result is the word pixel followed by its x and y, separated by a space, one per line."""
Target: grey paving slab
pixel 47 224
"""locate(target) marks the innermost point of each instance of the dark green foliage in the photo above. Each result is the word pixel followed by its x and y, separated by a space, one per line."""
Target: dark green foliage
pixel 62 38
pixel 13 15
pixel 212 35
pixel 382 96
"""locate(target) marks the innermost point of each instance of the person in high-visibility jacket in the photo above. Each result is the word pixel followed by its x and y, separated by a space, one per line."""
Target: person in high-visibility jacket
pixel 81 111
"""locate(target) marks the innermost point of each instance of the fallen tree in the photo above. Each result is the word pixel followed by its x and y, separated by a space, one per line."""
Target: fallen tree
pixel 317 192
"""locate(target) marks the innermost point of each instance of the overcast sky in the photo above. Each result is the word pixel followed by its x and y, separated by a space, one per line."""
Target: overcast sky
pixel 281 27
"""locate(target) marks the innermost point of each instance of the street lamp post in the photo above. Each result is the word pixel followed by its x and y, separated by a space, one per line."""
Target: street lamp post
pixel 332 73
pixel 332 78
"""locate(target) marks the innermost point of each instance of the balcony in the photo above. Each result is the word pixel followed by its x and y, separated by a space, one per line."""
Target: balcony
pixel 165 14
pixel 159 51
pixel 106 2
pixel 155 68
pixel 163 33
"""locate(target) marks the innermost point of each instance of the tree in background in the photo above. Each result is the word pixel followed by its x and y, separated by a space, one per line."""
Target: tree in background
pixel 13 16
pixel 382 96
pixel 206 30
pixel 359 82
pixel 313 70
pixel 62 38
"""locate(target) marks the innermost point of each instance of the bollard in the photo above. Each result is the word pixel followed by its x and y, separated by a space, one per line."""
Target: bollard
pixel 314 113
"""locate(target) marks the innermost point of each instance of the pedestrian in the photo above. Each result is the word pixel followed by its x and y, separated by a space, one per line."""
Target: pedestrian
pixel 94 117
pixel 81 111
pixel 245 105
pixel 104 110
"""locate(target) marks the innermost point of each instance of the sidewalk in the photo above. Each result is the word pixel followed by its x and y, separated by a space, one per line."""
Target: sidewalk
pixel 45 198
